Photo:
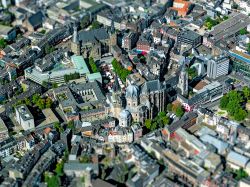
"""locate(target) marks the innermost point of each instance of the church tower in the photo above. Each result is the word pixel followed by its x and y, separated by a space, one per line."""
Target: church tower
pixel 183 81
pixel 113 35
pixel 75 44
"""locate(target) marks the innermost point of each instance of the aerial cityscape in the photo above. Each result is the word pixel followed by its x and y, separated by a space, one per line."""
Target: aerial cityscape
pixel 125 93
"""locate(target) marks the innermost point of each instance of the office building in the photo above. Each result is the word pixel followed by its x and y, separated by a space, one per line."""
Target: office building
pixel 24 117
pixel 188 37
pixel 209 93
pixel 241 62
pixel 217 67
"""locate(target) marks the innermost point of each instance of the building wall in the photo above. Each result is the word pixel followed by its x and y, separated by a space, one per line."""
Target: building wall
pixel 216 69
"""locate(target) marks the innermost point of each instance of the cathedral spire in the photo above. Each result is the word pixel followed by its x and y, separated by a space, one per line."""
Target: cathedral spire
pixel 112 29
pixel 75 34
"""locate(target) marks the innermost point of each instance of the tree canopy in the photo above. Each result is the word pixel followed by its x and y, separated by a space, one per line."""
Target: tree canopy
pixel 234 101
pixel 192 73
pixel 95 25
pixel 92 65
pixel 158 122
pixel 49 49
pixel 121 72
pixel 51 180
pixel 71 76
pixel 243 31
pixel 179 111
pixel 3 43
pixel 240 174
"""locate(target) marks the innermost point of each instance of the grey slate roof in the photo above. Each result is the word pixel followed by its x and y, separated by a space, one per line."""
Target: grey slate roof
pixel 36 19
pixel 93 35
pixel 151 86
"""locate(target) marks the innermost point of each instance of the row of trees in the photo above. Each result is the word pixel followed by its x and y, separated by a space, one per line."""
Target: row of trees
pixel 234 102
pixel 92 65
pixel 121 72
pixel 71 76
pixel 49 85
pixel 158 122
pixel 38 101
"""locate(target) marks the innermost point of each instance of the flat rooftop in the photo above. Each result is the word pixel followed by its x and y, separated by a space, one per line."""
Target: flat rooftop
pixel 5 29
pixel 229 27
pixel 2 126
pixel 80 64
pixel 240 55
pixel 24 112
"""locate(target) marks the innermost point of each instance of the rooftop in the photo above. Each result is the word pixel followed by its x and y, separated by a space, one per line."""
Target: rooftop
pixel 93 35
pixel 4 30
pixel 237 159
pixel 80 64
pixel 3 127
pixel 24 112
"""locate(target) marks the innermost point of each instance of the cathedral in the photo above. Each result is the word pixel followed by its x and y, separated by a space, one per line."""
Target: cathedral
pixel 139 103
pixel 93 43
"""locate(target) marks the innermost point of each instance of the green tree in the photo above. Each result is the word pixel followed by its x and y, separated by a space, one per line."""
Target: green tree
pixel 233 102
pixel 121 72
pixel 54 85
pixel 240 115
pixel 240 174
pixel 35 98
pixel 85 159
pixel 148 123
pixel 95 25
pixel 153 126
pixel 235 96
pixel 233 107
pixel 169 107
pixel 192 73
pixel 165 120
pixel 51 180
pixel 3 43
pixel 235 6
pixel 243 31
pixel 43 31
pixel 41 104
pixel 223 102
pixel 92 65
pixel 246 92
pixel 71 124
pixel 27 101
pixel 49 49
pixel 162 114
pixel 248 47
pixel 58 127
pixel 48 103
pixel 45 84
pixel 72 76
pixel 179 111
pixel 59 169
pixel 85 21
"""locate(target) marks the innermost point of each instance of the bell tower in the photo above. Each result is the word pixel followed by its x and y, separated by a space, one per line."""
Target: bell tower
pixel 113 34
pixel 75 44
